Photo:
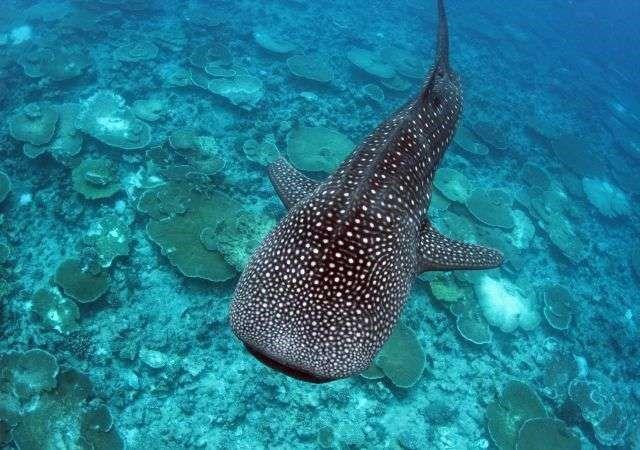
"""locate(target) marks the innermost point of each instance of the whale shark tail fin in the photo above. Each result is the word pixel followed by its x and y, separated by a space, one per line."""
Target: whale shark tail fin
pixel 438 252
pixel 442 47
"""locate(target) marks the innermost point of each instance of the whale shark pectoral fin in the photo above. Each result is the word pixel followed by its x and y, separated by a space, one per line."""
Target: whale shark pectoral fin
pixel 438 252
pixel 290 185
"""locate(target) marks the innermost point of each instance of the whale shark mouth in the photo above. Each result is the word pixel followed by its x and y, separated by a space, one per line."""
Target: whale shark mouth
pixel 293 372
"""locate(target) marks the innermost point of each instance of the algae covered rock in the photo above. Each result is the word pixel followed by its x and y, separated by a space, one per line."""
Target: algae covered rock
pixel 83 282
pixel 56 311
pixel 317 149
pixel 517 404
pixel 95 179
pixel 105 117
pixel 401 358
pixel 34 124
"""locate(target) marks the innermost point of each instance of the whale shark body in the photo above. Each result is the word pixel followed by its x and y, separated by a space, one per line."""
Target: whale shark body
pixel 323 291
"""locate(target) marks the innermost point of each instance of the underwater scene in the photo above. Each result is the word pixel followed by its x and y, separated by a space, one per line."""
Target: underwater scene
pixel 232 224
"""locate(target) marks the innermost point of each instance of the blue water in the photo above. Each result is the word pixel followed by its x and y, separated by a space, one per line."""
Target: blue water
pixel 135 137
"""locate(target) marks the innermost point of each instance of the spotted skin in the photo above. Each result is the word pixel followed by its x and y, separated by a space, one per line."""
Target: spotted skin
pixel 323 291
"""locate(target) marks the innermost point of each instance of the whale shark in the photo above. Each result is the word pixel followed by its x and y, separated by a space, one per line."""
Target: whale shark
pixel 323 291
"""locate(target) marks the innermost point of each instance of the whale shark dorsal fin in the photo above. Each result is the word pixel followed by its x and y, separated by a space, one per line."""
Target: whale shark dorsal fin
pixel 290 184
pixel 438 252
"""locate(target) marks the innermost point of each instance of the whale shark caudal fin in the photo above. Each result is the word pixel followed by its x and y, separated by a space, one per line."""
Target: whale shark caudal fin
pixel 438 252
pixel 290 185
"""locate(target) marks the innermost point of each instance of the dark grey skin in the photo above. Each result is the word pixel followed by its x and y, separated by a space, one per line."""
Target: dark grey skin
pixel 323 291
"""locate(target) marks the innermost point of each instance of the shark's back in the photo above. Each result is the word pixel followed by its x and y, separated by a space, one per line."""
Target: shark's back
pixel 323 291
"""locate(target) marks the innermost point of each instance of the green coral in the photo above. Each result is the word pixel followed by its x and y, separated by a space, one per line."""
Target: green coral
pixel 466 140
pixel 263 153
pixel 545 433
pixel 109 237
pixel 310 67
pixel 317 149
pixel 401 358
pixel 95 178
pixel 470 322
pixel 517 404
pixel 35 124
pixel 67 140
pixel 136 52
pixel 558 306
pixel 491 207
pixel 609 423
pixel 56 64
pixel 105 117
pixel 215 54
pixel 370 63
pixel 244 91
pixel 60 413
pixel 30 373
pixel 84 282
pixel 179 235
pixel 237 237
pixel 55 310
pixel 452 184
pixel 273 43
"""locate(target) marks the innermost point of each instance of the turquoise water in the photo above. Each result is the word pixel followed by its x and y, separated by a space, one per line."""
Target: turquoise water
pixel 135 141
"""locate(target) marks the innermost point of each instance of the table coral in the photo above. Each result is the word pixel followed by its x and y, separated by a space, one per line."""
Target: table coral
pixel 517 403
pixel 401 358
pixel 492 207
pixel 81 281
pixel 105 117
pixel 609 200
pixel 310 67
pixel 317 149
pixel 95 179
pixel 370 63
pixel 34 124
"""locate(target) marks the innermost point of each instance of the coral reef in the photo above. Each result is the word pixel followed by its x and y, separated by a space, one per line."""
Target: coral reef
pixel 134 188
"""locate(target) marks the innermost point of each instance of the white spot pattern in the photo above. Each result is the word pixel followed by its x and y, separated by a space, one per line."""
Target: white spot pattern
pixel 323 291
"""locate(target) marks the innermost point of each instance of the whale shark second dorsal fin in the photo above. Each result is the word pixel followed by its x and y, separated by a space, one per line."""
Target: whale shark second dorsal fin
pixel 438 252
pixel 290 184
